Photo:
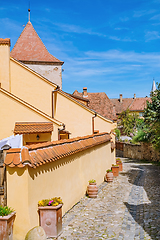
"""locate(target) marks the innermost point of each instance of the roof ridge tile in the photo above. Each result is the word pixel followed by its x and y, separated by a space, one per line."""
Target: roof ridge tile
pixel 53 151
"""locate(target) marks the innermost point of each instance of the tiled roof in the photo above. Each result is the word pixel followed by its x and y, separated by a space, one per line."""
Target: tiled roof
pixel 42 153
pixel 121 106
pixel 29 47
pixel 33 127
pixel 85 101
pixel 139 104
pixel 100 103
pixel 133 104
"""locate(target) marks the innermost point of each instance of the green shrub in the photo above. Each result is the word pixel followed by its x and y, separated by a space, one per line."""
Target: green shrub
pixel 92 181
pixel 109 170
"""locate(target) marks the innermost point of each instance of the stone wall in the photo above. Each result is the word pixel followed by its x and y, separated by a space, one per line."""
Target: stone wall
pixel 141 151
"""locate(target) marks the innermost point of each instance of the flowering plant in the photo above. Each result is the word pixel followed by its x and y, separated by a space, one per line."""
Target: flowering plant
pixel 4 211
pixel 50 202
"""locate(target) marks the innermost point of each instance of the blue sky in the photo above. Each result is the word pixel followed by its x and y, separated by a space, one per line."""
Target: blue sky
pixel 109 46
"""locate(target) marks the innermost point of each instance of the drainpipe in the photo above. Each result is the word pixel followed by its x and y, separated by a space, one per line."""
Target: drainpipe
pixel 93 122
pixel 60 130
pixel 53 100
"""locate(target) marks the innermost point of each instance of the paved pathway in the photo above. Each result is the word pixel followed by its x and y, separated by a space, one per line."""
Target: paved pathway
pixel 128 208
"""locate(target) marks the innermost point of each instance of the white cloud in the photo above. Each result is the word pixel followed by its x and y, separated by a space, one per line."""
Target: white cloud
pixel 155 17
pixel 125 39
pixel 141 13
pixel 152 35
pixel 71 28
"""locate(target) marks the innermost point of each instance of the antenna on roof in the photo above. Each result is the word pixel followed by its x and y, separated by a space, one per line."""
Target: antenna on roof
pixel 29 12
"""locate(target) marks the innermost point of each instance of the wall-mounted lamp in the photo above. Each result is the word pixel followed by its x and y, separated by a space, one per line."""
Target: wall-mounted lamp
pixel 38 137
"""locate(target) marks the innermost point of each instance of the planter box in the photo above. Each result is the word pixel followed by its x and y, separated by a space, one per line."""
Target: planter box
pixel 115 170
pixel 6 226
pixel 50 219
pixel 120 166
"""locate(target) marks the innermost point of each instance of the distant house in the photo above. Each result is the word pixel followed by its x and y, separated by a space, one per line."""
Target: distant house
pixel 135 105
pixel 99 102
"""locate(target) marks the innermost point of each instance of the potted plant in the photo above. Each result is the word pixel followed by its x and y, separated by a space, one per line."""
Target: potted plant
pixel 7 217
pixel 50 216
pixel 119 163
pixel 115 170
pixel 92 189
pixel 109 175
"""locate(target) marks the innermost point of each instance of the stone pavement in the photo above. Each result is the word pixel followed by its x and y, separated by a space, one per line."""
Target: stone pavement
pixel 128 208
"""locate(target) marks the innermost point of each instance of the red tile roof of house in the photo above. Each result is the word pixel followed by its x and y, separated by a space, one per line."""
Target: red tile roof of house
pixel 42 153
pixel 33 127
pixel 30 48
pixel 121 106
pixel 139 104
pixel 133 104
pixel 100 103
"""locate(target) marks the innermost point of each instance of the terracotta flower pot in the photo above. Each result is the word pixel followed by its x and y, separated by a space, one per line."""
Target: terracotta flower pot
pixel 120 166
pixel 109 176
pixel 115 170
pixel 6 226
pixel 50 218
pixel 92 190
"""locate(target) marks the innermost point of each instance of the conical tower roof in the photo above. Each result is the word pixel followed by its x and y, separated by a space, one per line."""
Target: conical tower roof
pixel 30 48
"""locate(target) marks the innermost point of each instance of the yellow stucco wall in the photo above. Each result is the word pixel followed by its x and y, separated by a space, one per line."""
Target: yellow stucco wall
pixel 32 138
pixel 67 178
pixel 4 66
pixel 77 119
pixel 31 88
pixel 12 111
pixel 103 125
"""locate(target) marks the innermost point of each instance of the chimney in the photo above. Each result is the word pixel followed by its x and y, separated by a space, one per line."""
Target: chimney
pixel 134 96
pixel 85 94
pixel 4 63
pixel 120 98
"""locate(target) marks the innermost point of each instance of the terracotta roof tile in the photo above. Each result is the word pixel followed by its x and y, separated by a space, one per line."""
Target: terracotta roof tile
pixel 98 102
pixel 9 159
pixel 25 155
pixel 16 159
pixel 30 48
pixel 47 152
pixel 33 127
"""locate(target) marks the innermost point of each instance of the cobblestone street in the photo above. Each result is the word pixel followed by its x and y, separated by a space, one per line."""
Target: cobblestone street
pixel 127 208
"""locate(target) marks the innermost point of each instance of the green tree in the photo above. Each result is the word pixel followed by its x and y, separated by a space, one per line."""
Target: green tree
pixel 152 119
pixel 129 122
